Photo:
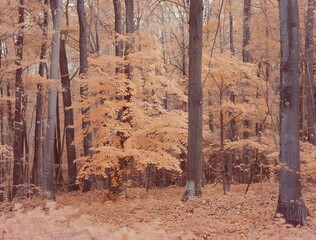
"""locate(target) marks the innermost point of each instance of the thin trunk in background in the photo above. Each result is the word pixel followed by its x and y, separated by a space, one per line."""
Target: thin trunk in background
pixel 246 31
pixel 58 149
pixel 83 48
pixel 37 167
pixel 290 202
pixel 195 101
pixel 231 29
pixel 118 29
pixel 309 73
pixel 48 183
pixel 130 28
pixel 18 118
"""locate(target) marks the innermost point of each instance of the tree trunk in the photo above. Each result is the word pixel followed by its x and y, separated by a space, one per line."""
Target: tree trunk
pixel 68 118
pixel 246 31
pixel 130 28
pixel 58 149
pixel 309 77
pixel 195 100
pixel 18 121
pixel 231 29
pixel 37 171
pixel 56 9
pixel 87 138
pixel 290 202
pixel 125 110
pixel 118 29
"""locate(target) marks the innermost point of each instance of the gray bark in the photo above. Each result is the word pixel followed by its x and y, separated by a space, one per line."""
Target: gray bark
pixel 231 30
pixel 68 118
pixel 18 118
pixel 309 77
pixel 290 202
pixel 118 28
pixel 246 31
pixel 56 9
pixel 37 168
pixel 195 101
pixel 83 45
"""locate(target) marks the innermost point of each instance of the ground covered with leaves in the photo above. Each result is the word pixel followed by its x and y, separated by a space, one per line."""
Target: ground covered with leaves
pixel 157 214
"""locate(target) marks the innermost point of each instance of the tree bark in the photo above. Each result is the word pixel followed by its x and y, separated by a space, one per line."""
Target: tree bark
pixel 120 170
pixel 37 171
pixel 18 121
pixel 68 118
pixel 56 9
pixel 246 31
pixel 195 100
pixel 87 138
pixel 290 202
pixel 130 28
pixel 231 30
pixel 309 77
pixel 118 29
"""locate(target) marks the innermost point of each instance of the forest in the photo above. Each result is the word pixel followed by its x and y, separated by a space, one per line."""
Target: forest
pixel 157 119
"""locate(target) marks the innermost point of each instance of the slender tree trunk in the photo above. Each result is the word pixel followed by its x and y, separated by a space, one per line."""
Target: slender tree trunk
pixel 130 28
pixel 58 149
pixel 118 29
pixel 69 118
pixel 125 110
pixel 87 139
pixel 195 101
pixel 223 157
pixel 290 202
pixel 3 172
pixel 246 31
pixel 231 29
pixel 18 129
pixel 97 29
pixel 37 168
pixel 56 9
pixel 309 73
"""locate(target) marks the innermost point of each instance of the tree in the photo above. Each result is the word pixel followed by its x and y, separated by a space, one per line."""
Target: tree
pixel 87 138
pixel 195 100
pixel 309 75
pixel 56 9
pixel 118 29
pixel 18 118
pixel 37 172
pixel 290 202
pixel 68 113
pixel 246 31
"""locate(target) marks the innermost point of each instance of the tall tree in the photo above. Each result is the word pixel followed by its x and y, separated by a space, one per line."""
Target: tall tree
pixel 246 31
pixel 309 77
pixel 290 202
pixel 37 172
pixel 130 28
pixel 83 48
pixel 125 115
pixel 18 121
pixel 231 29
pixel 68 113
pixel 56 9
pixel 195 100
pixel 118 29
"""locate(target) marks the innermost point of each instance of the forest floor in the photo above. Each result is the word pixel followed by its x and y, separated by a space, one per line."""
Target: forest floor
pixel 157 214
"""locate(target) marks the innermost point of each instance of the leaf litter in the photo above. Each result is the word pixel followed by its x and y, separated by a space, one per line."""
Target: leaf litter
pixel 157 214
